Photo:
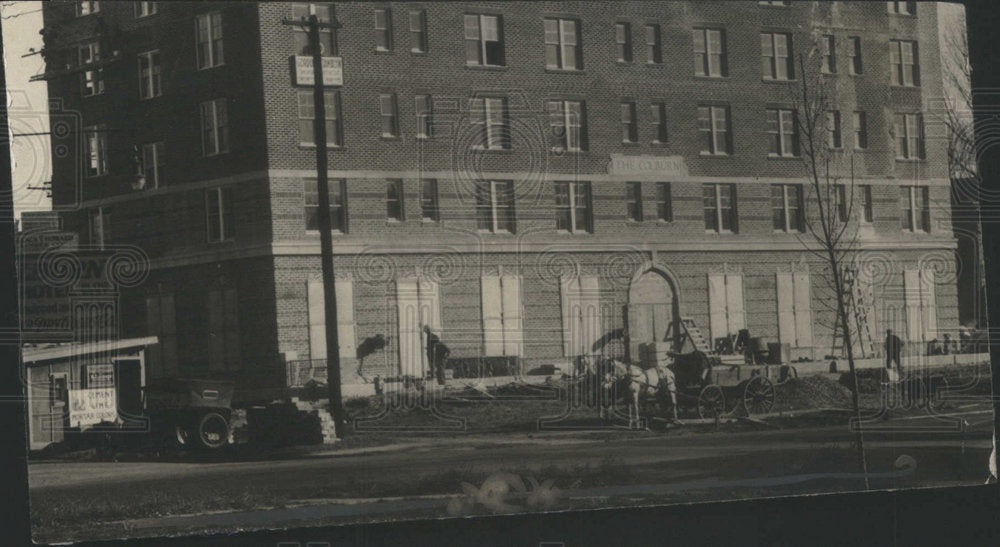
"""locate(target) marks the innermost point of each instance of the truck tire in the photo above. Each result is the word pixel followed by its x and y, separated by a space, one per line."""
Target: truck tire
pixel 212 431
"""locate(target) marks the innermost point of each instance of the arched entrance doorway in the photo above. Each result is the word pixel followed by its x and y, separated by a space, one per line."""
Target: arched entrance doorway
pixel 653 311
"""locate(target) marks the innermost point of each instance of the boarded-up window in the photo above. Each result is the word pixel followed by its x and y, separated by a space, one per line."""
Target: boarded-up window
pixel 317 318
pixel 725 305
pixel 418 303
pixel 920 302
pixel 501 300
pixel 795 310
pixel 581 310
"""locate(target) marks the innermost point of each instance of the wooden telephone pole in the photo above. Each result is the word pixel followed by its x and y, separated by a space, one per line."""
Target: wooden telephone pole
pixel 325 237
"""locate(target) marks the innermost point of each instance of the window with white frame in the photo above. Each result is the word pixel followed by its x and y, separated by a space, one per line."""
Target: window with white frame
pixel 209 40
pixel 566 119
pixel 495 206
pixel 389 115
pixel 145 9
pixel 149 75
pixel 909 130
pixel 383 30
pixel 867 212
pixel 502 313
pixel 573 207
pixel 562 44
pixel 219 214
pixel 316 311
pixel 902 8
pixel 307 118
pixel 658 115
pixel 100 227
pixel 423 106
pixel 833 135
pixel 782 126
pixel 418 31
pixel 633 201
pixel 654 48
pixel 214 127
pixel 489 118
pixel 856 66
pixel 795 323
pixel 153 161
pixel 776 51
pixel 786 208
pixel 484 40
pixel 713 124
pixel 920 302
pixel 86 7
pixel 430 210
pixel 418 303
pixel 664 203
pixel 623 42
pixel 904 63
pixel 337 192
pixel 630 128
pixel 828 46
pixel 394 200
pixel 97 150
pixel 300 33
pixel 709 52
pixel 91 79
pixel 725 305
pixel 720 207
pixel 916 208
pixel 860 130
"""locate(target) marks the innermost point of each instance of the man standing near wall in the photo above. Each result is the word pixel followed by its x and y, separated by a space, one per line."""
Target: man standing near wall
pixel 893 346
pixel 437 353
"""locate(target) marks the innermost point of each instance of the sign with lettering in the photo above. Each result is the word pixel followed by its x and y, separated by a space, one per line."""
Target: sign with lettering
pixel 333 70
pixel 92 406
pixel 661 166
pixel 102 375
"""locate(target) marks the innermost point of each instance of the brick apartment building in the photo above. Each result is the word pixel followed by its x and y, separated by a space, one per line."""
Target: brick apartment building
pixel 536 179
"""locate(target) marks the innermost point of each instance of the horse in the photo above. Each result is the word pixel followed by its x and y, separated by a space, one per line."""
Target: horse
pixel 637 383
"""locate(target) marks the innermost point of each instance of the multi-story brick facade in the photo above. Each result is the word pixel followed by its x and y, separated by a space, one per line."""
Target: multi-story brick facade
pixel 225 219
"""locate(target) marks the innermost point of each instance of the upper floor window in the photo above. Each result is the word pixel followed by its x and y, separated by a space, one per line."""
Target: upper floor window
pixel 840 195
pixel 833 135
pixel 856 67
pixel 658 114
pixel 219 214
pixel 300 34
pixel 423 106
pixel 904 63
pixel 214 127
pixel 902 8
pixel 633 201
pixel 623 42
pixel 383 30
pixel 489 116
pixel 860 130
pixel 430 210
pixel 654 48
pixel 97 150
pixel 567 124
pixel 829 48
pixel 630 130
pixel 91 79
pixel 143 9
pixel 786 207
pixel 909 130
pixel 562 44
pixel 209 38
pixel 495 206
pixel 153 161
pixel 573 207
pixel 664 203
pixel 916 208
pixel 87 7
pixel 337 192
pixel 99 224
pixel 484 40
pixel 709 52
pixel 713 123
pixel 307 118
pixel 418 31
pixel 783 128
pixel 720 207
pixel 149 75
pixel 394 200
pixel 389 114
pixel 776 48
pixel 867 213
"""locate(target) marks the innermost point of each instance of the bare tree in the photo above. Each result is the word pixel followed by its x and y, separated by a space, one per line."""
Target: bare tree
pixel 832 236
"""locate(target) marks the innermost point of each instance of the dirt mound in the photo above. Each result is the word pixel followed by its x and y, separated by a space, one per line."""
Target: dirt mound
pixel 811 392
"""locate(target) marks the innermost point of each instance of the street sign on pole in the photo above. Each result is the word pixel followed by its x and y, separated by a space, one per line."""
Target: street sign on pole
pixel 333 70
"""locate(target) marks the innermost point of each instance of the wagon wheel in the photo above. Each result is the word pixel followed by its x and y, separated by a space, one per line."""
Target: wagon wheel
pixel 711 402
pixel 758 396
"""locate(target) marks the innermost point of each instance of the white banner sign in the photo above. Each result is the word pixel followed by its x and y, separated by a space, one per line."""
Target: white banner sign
pixel 91 406
pixel 333 70
pixel 657 166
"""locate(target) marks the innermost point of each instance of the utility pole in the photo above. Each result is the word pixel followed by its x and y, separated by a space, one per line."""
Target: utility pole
pixel 325 237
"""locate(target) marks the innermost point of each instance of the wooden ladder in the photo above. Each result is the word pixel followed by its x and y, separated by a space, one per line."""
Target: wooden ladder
pixel 692 331
pixel 857 307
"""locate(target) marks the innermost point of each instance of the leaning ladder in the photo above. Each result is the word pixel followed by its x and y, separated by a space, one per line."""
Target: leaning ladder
pixel 692 331
pixel 857 306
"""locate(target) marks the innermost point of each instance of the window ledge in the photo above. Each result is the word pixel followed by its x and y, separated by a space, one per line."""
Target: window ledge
pixel 659 144
pixel 418 53
pixel 315 233
pixel 654 65
pixel 329 147
pixel 901 86
pixel 390 138
pixel 701 78
pixel 775 81
pixel 565 152
pixel 493 150
pixel 911 160
pixel 426 221
pixel 550 70
pixel 711 155
pixel 211 67
pixel 624 63
pixel 777 157
pixel 486 67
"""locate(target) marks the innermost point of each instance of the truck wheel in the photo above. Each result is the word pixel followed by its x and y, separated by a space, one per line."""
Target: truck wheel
pixel 213 430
